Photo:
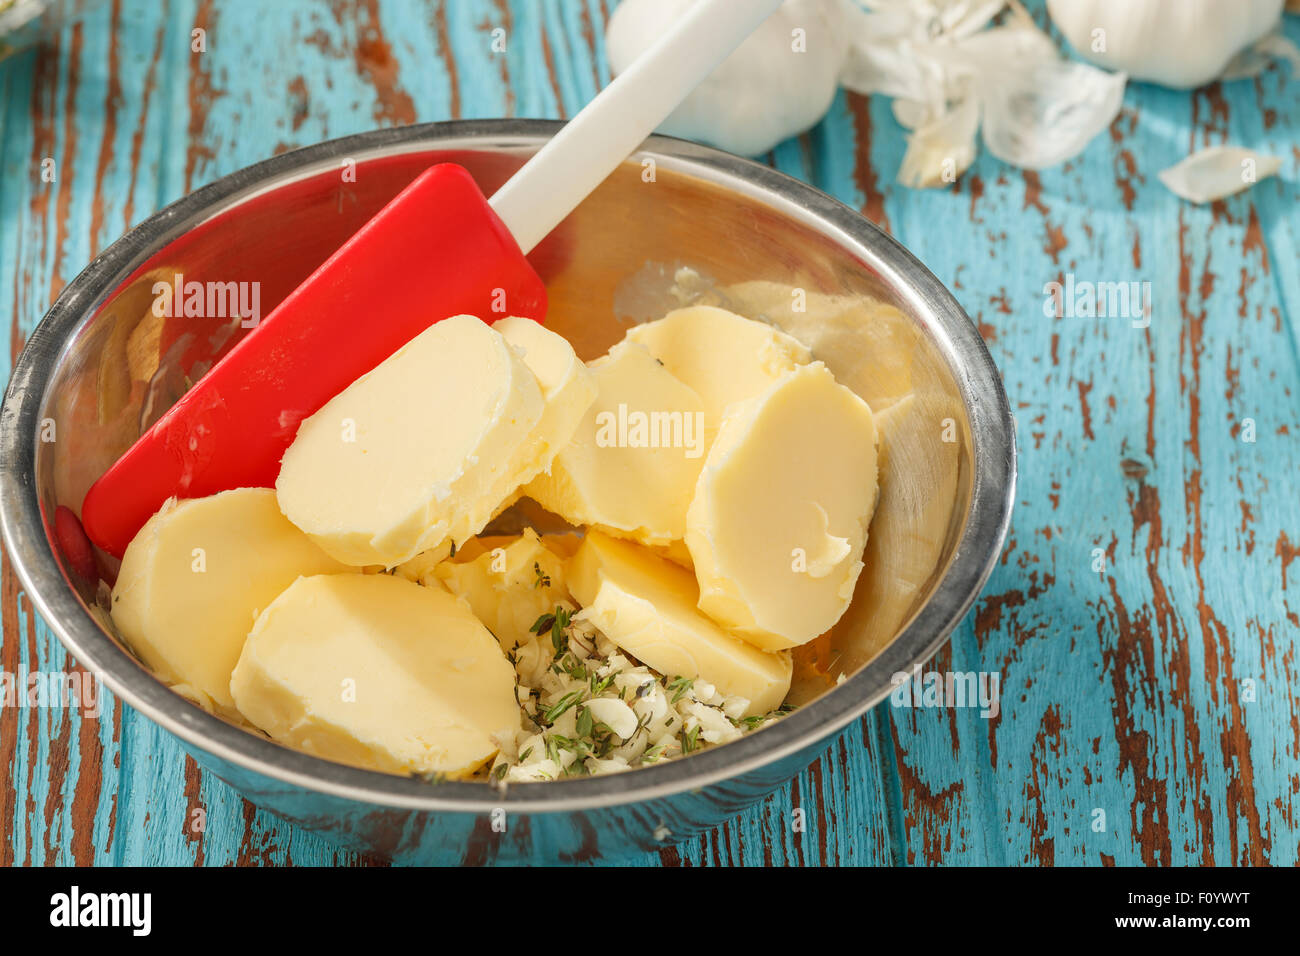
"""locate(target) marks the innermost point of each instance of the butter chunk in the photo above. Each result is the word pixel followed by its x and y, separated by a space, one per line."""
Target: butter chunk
pixel 647 606
pixel 427 446
pixel 724 357
pixel 568 386
pixel 631 466
pixel 779 520
pixel 509 586
pixel 194 579
pixel 375 671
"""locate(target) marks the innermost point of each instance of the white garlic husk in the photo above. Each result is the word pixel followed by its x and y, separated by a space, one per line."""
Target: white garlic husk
pixel 777 84
pixel 1218 172
pixel 953 74
pixel 1176 43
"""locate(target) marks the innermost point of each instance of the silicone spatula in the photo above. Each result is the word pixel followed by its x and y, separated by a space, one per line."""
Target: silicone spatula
pixel 438 249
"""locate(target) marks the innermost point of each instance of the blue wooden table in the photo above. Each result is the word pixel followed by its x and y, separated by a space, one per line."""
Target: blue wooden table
pixel 1144 616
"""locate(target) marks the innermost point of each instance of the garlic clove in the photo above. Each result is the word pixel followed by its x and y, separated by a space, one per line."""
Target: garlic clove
pixel 1048 114
pixel 942 150
pixel 1217 172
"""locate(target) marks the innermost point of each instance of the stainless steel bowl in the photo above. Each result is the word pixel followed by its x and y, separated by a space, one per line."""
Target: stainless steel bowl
pixel 100 370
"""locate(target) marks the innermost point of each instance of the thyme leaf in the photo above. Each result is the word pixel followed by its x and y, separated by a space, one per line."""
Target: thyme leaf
pixel 679 686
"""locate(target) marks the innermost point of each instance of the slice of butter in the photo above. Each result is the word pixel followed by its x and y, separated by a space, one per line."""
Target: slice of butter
pixel 725 357
pixel 647 606
pixel 195 577
pixel 568 386
pixel 375 671
pixel 632 464
pixel 509 586
pixel 427 446
pixel 779 519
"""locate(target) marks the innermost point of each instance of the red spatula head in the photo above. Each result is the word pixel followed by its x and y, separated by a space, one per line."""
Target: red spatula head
pixel 436 250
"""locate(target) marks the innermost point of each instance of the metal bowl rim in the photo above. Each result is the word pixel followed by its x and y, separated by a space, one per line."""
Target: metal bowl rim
pixel 992 490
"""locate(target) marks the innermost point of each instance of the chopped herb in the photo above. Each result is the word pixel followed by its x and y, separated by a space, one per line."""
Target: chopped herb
pixel 679 686
pixel 543 579
pixel 563 704
pixel 542 624
pixel 501 770
pixel 586 724
pixel 453 550
pixel 645 688
pixel 574 667
pixel 559 636
pixel 689 739
pixel 524 756
pixel 605 740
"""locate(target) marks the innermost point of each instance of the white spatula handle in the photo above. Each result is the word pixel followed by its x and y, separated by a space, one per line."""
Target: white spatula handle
pixel 609 128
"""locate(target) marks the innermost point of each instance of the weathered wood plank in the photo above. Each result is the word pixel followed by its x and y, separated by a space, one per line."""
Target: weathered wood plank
pixel 1124 689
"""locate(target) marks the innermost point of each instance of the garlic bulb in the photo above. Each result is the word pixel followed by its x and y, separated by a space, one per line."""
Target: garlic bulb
pixel 1178 43
pixel 777 84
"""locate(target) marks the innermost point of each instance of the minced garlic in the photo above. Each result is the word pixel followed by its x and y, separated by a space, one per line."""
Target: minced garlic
pixel 591 709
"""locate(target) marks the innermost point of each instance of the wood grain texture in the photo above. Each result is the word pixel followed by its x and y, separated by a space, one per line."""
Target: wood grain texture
pixel 1161 689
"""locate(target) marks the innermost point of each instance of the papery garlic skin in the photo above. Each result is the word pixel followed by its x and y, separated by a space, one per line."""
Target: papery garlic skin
pixel 951 79
pixel 777 84
pixel 1218 172
pixel 1176 43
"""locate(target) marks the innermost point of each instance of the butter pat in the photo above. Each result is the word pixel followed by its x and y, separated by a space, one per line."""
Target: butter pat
pixel 427 446
pixel 724 357
pixel 375 671
pixel 568 386
pixel 509 586
pixel 647 606
pixel 779 519
pixel 631 466
pixel 196 576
